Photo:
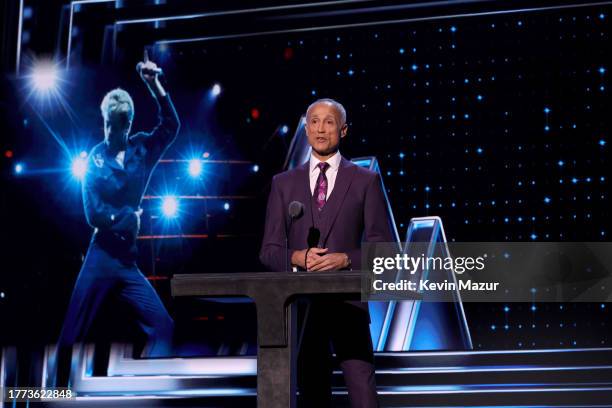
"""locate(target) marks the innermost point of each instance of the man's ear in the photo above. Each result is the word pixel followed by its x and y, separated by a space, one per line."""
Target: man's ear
pixel 343 130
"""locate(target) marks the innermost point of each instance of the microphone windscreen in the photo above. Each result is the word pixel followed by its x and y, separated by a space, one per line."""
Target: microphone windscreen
pixel 313 237
pixel 295 209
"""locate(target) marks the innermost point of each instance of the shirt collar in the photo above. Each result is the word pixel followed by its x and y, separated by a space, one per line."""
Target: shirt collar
pixel 334 162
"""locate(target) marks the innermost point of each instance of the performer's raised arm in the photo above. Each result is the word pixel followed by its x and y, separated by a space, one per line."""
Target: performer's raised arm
pixel 164 134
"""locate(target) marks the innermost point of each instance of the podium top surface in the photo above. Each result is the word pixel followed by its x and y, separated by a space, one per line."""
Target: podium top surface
pixel 254 283
pixel 271 292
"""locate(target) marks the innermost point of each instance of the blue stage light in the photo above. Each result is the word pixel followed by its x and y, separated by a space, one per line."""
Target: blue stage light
pixel 19 168
pixel 43 86
pixel 255 168
pixel 79 166
pixel 216 90
pixel 284 129
pixel 170 206
pixel 226 206
pixel 44 77
pixel 195 167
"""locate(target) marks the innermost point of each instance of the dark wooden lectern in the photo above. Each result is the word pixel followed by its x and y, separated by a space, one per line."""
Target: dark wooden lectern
pixel 272 293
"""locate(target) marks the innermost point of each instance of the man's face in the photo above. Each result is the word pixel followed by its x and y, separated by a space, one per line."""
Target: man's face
pixel 118 124
pixel 324 128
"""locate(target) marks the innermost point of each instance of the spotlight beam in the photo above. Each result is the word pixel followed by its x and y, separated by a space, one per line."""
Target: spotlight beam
pixel 79 166
pixel 170 206
pixel 195 167
pixel 55 136
pixel 44 78
pixel 44 89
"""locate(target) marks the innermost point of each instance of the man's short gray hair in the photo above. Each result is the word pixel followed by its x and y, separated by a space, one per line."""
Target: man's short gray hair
pixel 117 101
pixel 333 102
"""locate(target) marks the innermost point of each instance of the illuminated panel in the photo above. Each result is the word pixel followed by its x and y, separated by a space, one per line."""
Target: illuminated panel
pixel 299 149
pixel 429 325
pixel 213 376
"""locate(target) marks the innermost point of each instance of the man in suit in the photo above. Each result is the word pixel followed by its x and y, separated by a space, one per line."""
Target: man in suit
pixel 344 205
pixel 117 175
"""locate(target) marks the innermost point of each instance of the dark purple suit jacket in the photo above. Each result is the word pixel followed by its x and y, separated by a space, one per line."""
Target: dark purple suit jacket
pixel 355 211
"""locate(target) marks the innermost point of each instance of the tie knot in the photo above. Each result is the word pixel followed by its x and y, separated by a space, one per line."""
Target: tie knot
pixel 323 166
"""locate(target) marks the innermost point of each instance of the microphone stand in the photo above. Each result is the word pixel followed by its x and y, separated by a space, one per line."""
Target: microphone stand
pixel 287 256
pixel 287 244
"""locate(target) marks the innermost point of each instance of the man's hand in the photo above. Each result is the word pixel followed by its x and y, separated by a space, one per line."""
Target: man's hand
pixel 298 258
pixel 127 223
pixel 314 255
pixel 149 72
pixel 329 262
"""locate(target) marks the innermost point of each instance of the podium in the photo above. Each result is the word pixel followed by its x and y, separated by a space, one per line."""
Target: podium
pixel 272 293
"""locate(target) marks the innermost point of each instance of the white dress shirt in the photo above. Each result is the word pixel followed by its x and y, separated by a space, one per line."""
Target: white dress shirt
pixel 120 158
pixel 330 173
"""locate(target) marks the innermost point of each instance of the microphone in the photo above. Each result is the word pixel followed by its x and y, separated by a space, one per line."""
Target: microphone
pixel 295 210
pixel 140 68
pixel 313 237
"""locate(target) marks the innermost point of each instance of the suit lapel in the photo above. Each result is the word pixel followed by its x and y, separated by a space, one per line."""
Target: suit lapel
pixel 305 181
pixel 346 171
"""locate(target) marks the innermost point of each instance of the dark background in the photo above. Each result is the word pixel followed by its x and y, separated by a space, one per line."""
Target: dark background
pixel 496 122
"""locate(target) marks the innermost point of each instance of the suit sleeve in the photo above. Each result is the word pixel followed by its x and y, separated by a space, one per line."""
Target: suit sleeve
pixel 103 216
pixel 273 254
pixel 164 134
pixel 376 216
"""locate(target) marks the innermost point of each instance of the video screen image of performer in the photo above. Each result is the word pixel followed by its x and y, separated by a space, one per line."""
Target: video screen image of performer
pixel 344 205
pixel 118 172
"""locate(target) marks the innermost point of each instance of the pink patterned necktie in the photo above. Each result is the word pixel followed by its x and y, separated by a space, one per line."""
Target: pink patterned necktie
pixel 321 187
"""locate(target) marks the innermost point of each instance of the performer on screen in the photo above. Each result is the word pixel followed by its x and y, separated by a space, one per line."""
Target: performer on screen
pixel 118 172
pixel 345 205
